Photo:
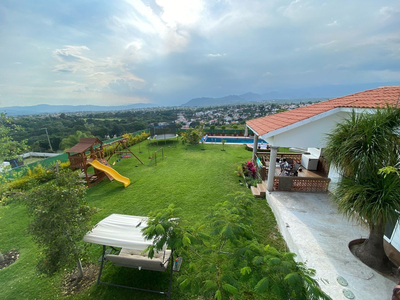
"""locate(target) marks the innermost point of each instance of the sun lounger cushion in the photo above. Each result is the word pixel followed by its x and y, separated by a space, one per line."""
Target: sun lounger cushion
pixel 135 259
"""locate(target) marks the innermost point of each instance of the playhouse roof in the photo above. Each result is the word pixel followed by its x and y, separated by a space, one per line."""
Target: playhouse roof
pixel 374 98
pixel 84 144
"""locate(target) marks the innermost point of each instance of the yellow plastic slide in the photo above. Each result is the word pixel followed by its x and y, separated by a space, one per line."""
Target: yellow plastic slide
pixel 110 171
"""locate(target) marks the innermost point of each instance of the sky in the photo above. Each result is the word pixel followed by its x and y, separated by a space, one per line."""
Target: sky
pixel 167 52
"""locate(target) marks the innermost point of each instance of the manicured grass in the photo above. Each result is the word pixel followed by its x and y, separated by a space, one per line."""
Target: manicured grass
pixel 192 179
pixel 30 160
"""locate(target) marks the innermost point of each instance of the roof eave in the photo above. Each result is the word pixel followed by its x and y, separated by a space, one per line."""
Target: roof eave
pixel 301 123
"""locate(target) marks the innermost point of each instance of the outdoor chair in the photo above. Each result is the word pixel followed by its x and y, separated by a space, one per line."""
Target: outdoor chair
pixel 282 169
pixel 285 168
pixel 131 258
pixel 295 170
pixel 126 232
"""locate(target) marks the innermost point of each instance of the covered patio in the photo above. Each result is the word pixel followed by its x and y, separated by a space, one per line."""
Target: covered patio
pixel 294 178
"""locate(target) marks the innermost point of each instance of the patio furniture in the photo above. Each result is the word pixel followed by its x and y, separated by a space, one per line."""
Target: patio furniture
pixel 285 167
pixel 295 170
pixel 125 232
pixel 131 258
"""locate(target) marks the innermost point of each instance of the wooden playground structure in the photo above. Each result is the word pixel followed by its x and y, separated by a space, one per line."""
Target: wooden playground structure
pixel 89 152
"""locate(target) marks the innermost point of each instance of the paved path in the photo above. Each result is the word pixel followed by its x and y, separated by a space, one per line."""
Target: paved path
pixel 319 235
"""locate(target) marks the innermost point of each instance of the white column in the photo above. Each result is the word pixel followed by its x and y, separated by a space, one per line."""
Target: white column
pixel 271 171
pixel 246 131
pixel 255 145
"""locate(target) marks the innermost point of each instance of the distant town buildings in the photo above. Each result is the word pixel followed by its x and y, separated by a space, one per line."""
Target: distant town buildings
pixel 229 115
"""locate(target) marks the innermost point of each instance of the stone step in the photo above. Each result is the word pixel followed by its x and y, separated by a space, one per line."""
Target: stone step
pixel 255 191
pixel 262 188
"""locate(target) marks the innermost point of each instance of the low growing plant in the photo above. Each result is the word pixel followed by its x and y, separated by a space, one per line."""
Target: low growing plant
pixel 249 169
pixel 225 258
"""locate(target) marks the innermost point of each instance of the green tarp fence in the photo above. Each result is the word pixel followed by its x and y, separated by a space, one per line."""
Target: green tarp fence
pixel 226 131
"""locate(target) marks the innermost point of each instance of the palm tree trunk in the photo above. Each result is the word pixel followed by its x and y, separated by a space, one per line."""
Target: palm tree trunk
pixel 371 252
pixel 80 270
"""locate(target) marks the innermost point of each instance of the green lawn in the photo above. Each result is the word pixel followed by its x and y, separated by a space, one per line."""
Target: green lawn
pixel 192 179
pixel 30 160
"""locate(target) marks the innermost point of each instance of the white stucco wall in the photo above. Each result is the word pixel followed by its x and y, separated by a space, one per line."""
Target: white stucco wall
pixel 314 151
pixel 307 134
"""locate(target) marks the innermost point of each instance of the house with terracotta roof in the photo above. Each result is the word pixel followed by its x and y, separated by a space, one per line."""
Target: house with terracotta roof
pixel 306 127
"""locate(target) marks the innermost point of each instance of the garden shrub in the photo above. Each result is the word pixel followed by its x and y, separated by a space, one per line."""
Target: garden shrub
pixel 249 169
pixel 11 191
pixel 193 136
pixel 60 218
pixel 135 139
pixel 226 258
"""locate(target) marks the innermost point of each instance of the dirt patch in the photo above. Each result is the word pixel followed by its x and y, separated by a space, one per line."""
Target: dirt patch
pixel 72 286
pixel 9 258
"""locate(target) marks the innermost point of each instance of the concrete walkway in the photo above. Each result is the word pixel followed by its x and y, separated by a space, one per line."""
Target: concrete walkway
pixel 319 235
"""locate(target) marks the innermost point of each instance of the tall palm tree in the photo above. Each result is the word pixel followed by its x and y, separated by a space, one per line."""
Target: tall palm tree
pixel 359 147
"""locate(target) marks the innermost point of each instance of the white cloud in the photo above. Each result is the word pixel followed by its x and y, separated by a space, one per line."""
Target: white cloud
pixel 297 10
pixel 177 49
pixel 334 23
pixel 71 59
pixel 70 53
pixel 388 12
pixel 159 34
pixel 68 82
pixel 96 74
pixel 180 12
pixel 323 45
pixel 215 55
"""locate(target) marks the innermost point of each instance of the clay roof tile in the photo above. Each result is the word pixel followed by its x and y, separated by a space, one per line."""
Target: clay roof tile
pixel 379 97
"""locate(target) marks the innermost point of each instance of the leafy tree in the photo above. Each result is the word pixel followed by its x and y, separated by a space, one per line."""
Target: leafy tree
pixel 225 257
pixel 60 218
pixel 72 140
pixel 193 136
pixel 223 127
pixel 359 147
pixel 194 124
pixel 212 127
pixel 9 148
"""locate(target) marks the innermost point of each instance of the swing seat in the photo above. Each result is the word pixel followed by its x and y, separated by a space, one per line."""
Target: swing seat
pixel 131 258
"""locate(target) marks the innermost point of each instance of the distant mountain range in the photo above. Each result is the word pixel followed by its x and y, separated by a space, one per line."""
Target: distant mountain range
pixel 245 98
pixel 52 109
pixel 292 95
pixel 289 95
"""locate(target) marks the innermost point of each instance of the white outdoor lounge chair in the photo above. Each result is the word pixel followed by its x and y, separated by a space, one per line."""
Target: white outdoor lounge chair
pixel 135 259
pixel 125 232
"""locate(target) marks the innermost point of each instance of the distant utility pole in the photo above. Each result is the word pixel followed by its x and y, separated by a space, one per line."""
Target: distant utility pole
pixel 51 148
